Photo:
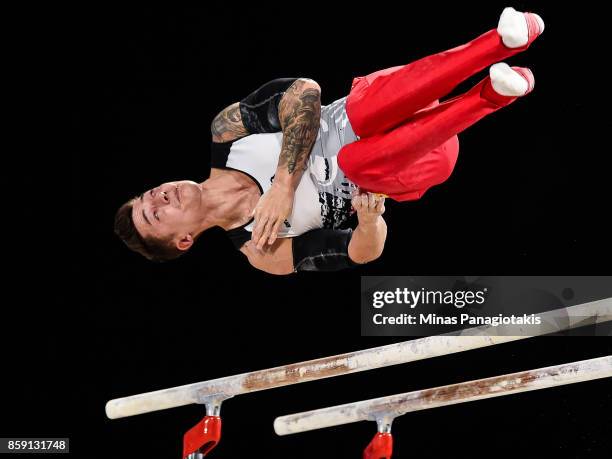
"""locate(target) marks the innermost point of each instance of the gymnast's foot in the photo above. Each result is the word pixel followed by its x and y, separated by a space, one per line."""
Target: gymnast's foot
pixel 511 81
pixel 518 29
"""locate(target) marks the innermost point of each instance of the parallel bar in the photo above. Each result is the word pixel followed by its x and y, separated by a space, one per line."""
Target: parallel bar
pixel 353 362
pixel 396 405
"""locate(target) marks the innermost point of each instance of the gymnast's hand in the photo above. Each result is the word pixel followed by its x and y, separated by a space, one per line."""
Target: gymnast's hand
pixel 273 208
pixel 368 240
pixel 369 207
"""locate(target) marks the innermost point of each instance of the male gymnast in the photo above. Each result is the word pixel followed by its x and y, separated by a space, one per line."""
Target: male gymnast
pixel 287 173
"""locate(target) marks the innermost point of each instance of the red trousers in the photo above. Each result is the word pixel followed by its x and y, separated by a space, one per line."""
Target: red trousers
pixel 408 140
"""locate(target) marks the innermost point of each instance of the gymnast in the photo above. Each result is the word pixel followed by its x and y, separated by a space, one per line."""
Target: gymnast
pixel 287 173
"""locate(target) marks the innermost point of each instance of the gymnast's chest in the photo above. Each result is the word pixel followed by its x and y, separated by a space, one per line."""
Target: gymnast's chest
pixel 257 156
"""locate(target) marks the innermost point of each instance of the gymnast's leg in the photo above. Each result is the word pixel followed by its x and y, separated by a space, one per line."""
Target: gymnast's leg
pixel 385 99
pixel 404 162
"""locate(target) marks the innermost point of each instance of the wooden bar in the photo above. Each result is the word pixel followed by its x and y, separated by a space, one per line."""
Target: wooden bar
pixel 352 362
pixel 396 405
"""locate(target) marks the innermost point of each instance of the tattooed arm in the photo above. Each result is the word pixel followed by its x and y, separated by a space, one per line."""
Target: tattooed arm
pixel 299 114
pixel 227 125
pixel 269 109
pixel 288 104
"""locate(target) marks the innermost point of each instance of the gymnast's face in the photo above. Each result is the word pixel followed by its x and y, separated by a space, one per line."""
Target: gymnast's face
pixel 171 211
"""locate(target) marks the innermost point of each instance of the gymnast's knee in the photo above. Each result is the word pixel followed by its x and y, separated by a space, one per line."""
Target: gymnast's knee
pixel 448 159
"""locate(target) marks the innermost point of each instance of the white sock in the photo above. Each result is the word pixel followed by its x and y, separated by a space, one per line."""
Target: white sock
pixel 512 28
pixel 506 81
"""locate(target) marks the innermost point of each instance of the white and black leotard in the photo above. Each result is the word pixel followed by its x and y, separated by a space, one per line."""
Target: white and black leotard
pixel 323 196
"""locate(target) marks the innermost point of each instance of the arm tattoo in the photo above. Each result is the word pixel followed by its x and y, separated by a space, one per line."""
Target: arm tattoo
pixel 227 125
pixel 300 115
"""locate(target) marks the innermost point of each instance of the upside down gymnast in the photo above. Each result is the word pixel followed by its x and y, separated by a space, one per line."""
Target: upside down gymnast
pixel 287 173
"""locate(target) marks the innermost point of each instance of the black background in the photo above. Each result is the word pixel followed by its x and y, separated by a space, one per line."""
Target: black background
pixel 133 92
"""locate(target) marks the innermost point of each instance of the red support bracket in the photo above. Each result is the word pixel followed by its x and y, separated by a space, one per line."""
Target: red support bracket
pixel 202 438
pixel 381 447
